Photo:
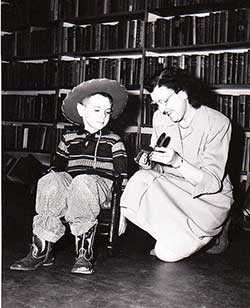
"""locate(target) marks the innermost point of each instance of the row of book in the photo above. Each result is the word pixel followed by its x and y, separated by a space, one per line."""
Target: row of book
pixel 41 108
pixel 223 68
pixel 18 14
pixel 235 107
pixel 220 27
pixel 28 42
pixel 147 111
pixel 66 74
pixel 95 37
pixel 161 4
pixel 30 108
pixel 33 75
pixel 219 68
pixel 64 9
pixel 33 138
pixel 61 39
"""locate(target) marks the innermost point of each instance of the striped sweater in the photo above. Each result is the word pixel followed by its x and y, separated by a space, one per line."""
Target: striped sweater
pixel 83 152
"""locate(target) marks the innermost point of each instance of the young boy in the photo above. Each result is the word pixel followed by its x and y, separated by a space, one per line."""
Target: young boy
pixel 75 187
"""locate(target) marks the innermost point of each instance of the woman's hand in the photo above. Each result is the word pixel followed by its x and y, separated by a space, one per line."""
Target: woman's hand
pixel 166 156
pixel 122 224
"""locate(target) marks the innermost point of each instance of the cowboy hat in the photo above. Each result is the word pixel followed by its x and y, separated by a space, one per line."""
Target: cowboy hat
pixel 87 88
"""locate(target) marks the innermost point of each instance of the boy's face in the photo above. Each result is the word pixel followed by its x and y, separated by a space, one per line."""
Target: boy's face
pixel 95 112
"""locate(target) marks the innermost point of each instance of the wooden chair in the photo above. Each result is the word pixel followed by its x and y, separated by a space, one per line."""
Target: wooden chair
pixel 108 219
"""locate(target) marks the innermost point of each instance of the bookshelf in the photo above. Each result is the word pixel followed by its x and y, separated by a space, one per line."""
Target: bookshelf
pixel 77 41
pixel 126 40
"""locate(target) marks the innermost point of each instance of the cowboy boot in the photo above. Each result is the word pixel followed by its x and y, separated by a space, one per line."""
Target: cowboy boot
pixel 40 253
pixel 84 251
pixel 51 257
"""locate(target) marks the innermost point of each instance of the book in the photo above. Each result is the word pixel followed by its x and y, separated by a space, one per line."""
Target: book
pixel 25 170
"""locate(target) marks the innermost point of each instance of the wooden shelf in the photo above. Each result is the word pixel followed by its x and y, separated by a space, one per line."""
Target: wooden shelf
pixel 119 16
pixel 137 52
pixel 28 92
pixel 199 8
pixel 239 89
pixel 204 48
pixel 130 52
pixel 112 53
pixel 134 129
pixel 20 123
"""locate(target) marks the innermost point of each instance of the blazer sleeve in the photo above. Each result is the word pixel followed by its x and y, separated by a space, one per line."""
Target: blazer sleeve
pixel 214 157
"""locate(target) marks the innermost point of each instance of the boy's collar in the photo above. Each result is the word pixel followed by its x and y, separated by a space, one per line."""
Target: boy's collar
pixel 81 130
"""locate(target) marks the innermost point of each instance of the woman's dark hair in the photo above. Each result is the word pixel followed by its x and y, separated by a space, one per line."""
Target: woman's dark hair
pixel 181 80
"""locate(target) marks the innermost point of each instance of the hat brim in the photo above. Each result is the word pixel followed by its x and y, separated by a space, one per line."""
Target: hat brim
pixel 77 94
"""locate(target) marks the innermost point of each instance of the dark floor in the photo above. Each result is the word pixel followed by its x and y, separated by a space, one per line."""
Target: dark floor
pixel 132 279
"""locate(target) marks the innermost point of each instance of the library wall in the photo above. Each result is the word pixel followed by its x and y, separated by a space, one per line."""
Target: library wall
pixel 50 46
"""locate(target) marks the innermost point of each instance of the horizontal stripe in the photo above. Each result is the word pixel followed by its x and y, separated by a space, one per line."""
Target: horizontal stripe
pixel 90 163
pixel 79 152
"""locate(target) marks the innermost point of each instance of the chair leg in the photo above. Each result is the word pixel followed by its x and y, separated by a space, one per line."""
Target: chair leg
pixel 113 239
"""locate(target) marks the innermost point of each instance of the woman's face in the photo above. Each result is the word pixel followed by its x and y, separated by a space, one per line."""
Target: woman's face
pixel 170 103
pixel 95 112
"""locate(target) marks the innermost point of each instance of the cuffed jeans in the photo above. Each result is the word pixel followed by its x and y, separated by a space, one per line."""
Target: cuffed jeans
pixel 77 199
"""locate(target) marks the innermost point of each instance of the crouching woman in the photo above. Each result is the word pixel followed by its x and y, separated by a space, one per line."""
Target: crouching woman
pixel 182 195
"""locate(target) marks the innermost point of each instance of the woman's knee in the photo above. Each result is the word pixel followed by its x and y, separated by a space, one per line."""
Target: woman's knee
pixel 167 255
pixel 142 176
